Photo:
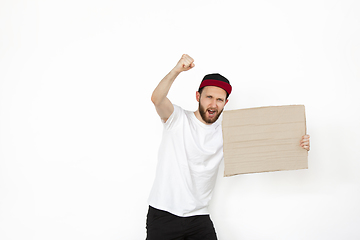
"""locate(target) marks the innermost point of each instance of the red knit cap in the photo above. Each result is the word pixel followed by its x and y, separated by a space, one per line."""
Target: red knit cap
pixel 216 80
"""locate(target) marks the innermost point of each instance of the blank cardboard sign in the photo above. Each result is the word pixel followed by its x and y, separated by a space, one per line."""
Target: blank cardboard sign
pixel 264 139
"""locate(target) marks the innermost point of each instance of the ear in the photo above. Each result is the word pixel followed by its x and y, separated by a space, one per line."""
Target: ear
pixel 197 96
pixel 226 101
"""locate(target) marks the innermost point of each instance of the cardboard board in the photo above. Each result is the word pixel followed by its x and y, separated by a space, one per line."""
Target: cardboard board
pixel 264 139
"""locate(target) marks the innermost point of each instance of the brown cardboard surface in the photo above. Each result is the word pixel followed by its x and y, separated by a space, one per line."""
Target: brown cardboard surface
pixel 264 139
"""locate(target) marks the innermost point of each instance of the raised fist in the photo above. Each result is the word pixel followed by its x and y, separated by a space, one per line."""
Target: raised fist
pixel 185 63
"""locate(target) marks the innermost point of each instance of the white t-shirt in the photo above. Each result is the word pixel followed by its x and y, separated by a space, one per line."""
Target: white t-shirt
pixel 188 162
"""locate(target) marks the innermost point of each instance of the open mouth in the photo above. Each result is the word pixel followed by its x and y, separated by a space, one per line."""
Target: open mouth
pixel 211 113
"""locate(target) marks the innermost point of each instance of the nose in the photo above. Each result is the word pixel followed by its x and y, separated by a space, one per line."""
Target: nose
pixel 213 103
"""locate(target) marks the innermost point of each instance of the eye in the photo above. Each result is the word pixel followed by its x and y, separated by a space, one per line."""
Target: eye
pixel 209 96
pixel 220 100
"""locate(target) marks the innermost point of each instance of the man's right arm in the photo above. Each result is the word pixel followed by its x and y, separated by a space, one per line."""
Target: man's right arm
pixel 159 97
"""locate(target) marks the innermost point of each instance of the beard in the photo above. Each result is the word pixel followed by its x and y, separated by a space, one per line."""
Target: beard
pixel 203 112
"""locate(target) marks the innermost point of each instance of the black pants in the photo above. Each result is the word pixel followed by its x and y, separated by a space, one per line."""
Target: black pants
pixel 162 225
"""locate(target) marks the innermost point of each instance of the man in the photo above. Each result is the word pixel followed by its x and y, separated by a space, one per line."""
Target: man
pixel 189 156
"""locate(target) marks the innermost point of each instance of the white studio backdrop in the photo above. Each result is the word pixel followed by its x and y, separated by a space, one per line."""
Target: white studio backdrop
pixel 79 135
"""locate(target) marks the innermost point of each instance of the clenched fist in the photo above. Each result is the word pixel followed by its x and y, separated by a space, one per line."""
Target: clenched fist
pixel 184 64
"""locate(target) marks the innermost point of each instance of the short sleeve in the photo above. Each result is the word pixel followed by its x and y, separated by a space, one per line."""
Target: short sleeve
pixel 174 118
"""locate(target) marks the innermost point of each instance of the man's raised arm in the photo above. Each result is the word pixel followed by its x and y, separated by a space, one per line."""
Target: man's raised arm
pixel 159 97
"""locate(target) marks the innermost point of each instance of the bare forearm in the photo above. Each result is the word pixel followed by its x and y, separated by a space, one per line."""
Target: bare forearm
pixel 159 97
pixel 162 89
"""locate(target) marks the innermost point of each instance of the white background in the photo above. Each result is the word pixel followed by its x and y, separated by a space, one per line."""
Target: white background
pixel 79 135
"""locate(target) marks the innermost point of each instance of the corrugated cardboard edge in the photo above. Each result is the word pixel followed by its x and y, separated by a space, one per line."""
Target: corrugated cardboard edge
pixel 231 175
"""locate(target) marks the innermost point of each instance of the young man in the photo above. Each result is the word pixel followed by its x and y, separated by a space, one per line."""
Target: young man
pixel 189 156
